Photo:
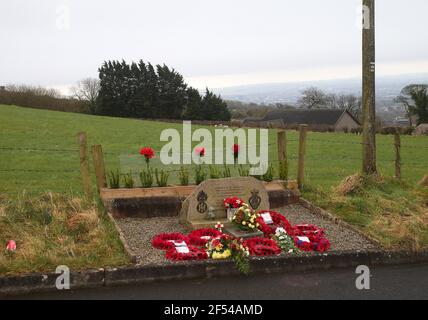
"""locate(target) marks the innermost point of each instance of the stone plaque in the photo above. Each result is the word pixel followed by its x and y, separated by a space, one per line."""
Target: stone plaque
pixel 204 207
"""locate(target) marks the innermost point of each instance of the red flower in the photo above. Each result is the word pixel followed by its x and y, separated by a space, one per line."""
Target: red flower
pixel 308 230
pixel 279 221
pixel 262 247
pixel 11 245
pixel 195 253
pixel 164 241
pixel 233 202
pixel 203 236
pixel 148 153
pixel 236 148
pixel 200 151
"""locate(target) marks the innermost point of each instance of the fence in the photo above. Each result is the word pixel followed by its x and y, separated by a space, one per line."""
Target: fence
pixel 314 157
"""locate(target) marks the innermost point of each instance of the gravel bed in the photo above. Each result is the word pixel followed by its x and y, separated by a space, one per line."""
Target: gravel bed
pixel 139 232
pixel 341 238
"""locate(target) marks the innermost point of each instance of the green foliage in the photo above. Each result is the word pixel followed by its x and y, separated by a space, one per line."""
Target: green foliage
pixel 114 179
pixel 286 243
pixel 183 176
pixel 269 175
pixel 214 173
pixel 49 132
pixel 146 177
pixel 161 177
pixel 200 174
pixel 241 262
pixel 414 97
pixel 283 170
pixel 243 172
pixel 128 180
pixel 143 91
pixel 226 172
pixel 210 107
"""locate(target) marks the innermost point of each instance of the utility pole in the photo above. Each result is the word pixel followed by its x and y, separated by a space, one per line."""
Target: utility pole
pixel 369 85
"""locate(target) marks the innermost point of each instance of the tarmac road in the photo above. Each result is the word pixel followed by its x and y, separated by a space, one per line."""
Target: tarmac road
pixel 391 282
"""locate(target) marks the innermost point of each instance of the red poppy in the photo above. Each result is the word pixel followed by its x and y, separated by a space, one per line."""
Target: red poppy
pixel 148 153
pixel 236 148
pixel 200 151
pixel 11 245
pixel 194 253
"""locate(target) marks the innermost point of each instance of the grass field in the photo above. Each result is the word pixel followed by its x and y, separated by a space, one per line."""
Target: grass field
pixel 26 132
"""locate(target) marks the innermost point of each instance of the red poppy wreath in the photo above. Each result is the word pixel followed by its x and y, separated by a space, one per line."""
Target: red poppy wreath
pixel 165 241
pixel 262 247
pixel 194 253
pixel 308 230
pixel 202 236
pixel 279 221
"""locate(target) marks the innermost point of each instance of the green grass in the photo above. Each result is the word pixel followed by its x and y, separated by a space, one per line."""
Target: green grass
pixel 330 156
pixel 393 212
pixel 56 229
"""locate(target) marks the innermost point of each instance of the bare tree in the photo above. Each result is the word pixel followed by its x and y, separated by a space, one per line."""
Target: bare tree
pixel 313 98
pixel 87 91
pixel 349 102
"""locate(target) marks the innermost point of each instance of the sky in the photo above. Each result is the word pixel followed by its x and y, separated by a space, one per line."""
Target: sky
pixel 212 43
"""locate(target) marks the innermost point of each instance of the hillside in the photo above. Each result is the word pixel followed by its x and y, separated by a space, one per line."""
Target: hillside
pixel 39 150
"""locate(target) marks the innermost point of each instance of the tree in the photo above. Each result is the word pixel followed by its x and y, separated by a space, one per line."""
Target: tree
pixel 214 108
pixel 415 102
pixel 313 98
pixel 193 108
pixel 349 102
pixel 87 91
pixel 172 93
pixel 143 91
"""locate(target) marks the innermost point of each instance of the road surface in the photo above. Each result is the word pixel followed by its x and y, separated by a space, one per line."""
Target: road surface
pixel 392 282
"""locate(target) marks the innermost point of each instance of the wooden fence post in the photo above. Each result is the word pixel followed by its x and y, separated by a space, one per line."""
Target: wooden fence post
pixel 397 154
pixel 303 129
pixel 84 165
pixel 100 171
pixel 282 155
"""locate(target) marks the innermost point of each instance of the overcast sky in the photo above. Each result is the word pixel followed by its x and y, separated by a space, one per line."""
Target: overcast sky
pixel 212 43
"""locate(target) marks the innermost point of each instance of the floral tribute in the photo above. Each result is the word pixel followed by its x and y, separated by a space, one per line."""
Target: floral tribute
pixel 246 219
pixel 279 221
pixel 166 241
pixel 285 242
pixel 211 243
pixel 308 230
pixel 225 247
pixel 195 253
pixel 262 247
pixel 312 243
pixel 233 203
pixel 202 236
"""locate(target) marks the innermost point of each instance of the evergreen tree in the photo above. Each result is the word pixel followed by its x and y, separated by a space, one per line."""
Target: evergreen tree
pixel 193 109
pixel 214 108
pixel 139 90
pixel 172 93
